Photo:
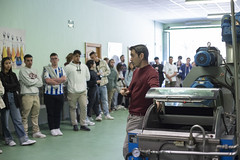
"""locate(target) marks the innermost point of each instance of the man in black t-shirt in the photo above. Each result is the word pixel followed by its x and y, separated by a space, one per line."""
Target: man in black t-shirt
pixel 159 68
pixel 124 66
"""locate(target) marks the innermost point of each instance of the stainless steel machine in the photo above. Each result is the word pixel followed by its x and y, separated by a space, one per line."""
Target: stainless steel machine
pixel 190 125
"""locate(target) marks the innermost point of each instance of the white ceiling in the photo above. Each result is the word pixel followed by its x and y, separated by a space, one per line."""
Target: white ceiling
pixel 171 11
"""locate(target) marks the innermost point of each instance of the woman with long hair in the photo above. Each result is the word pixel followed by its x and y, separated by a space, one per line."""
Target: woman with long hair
pixel 128 79
pixel 92 85
pixel 129 73
pixel 12 102
pixel 120 85
pixel 112 84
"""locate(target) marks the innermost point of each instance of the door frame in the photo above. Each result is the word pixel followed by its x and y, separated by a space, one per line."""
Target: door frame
pixel 98 50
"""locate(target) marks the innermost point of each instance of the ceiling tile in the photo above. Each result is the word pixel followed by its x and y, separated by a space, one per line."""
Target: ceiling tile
pixel 168 11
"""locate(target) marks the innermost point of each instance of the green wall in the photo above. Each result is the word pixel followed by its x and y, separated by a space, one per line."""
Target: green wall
pixel 45 23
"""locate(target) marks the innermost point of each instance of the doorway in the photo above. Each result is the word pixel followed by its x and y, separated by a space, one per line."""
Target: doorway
pixel 89 47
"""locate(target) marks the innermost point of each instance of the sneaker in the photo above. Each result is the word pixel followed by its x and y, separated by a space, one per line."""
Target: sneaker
pixel 120 107
pixel 99 118
pixel 85 128
pixel 11 143
pixel 89 123
pixel 90 118
pixel 1 151
pixel 54 132
pixel 28 142
pixel 109 117
pixel 59 132
pixel 75 128
pixel 38 135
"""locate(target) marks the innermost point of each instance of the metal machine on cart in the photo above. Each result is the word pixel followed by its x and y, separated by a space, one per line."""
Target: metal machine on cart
pixel 191 125
pixel 201 120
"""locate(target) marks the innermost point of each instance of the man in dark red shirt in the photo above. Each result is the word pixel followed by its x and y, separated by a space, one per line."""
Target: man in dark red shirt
pixel 144 77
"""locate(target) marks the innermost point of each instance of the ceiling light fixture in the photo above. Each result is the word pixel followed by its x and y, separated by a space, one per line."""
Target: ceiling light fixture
pixel 216 15
pixel 194 26
pixel 206 1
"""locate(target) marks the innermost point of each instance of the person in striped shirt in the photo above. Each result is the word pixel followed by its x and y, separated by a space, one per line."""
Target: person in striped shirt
pixel 54 77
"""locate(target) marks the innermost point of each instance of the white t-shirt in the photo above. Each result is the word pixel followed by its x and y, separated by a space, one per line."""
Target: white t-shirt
pixel 170 69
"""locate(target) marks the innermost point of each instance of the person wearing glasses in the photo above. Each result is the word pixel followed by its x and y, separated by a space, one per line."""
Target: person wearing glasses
pixel 77 77
pixel 54 77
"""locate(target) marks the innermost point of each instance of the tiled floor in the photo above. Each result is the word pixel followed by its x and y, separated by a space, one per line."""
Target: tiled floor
pixel 103 142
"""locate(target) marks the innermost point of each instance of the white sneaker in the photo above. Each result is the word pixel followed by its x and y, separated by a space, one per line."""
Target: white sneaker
pixel 1 151
pixel 59 132
pixel 54 132
pixel 120 107
pixel 99 118
pixel 38 135
pixel 28 142
pixel 90 118
pixel 109 117
pixel 11 143
pixel 90 123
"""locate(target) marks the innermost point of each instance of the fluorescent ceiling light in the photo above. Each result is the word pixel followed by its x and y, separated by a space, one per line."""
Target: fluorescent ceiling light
pixel 216 15
pixel 195 26
pixel 188 23
pixel 206 1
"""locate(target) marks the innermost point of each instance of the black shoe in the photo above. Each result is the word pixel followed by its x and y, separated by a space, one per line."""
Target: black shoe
pixel 85 128
pixel 75 128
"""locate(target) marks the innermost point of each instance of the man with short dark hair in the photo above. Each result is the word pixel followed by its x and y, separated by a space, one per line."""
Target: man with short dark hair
pixel 54 77
pixel 170 71
pixel 77 77
pixel 106 59
pixel 185 69
pixel 159 68
pixel 144 77
pixel 30 81
pixel 178 77
pixel 124 66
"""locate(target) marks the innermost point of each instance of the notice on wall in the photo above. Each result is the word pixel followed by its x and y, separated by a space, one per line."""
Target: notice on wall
pixel 12 45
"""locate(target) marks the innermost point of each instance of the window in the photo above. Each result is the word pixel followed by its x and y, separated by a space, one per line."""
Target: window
pixel 185 42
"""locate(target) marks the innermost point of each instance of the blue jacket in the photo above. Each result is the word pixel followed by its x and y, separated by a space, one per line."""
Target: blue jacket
pixel 184 70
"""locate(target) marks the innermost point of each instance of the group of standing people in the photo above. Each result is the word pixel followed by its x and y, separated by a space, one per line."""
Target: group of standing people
pixel 20 99
pixel 119 77
pixel 87 86
pixel 174 73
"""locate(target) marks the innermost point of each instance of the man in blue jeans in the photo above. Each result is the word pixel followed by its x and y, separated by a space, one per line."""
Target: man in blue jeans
pixel 103 71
